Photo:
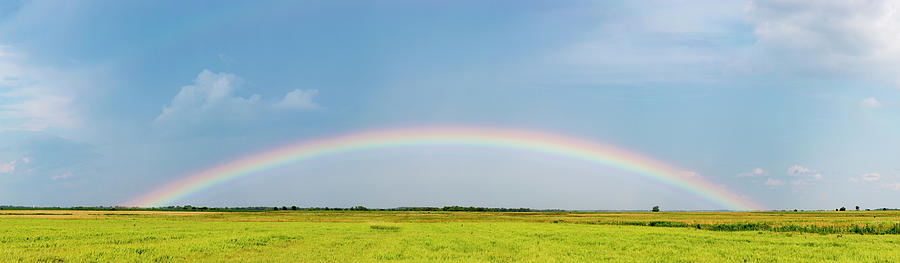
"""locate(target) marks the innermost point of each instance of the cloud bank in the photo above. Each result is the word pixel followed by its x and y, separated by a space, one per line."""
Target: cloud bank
pixel 32 98
pixel 830 37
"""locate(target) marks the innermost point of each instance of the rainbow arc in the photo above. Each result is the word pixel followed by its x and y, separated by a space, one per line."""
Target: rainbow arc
pixel 515 139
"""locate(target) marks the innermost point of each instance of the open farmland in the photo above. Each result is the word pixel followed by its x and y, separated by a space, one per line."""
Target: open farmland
pixel 359 236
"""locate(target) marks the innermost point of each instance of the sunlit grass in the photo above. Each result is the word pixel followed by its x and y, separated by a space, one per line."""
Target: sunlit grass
pixel 66 236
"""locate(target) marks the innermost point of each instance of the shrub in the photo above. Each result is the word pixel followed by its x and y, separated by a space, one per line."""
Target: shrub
pixel 385 228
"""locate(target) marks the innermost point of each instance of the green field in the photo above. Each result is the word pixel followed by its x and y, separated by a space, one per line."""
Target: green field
pixel 345 236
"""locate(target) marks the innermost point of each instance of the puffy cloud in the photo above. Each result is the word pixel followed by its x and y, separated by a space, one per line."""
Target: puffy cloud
pixel 797 170
pixel 803 175
pixel 65 175
pixel 7 167
pixel 870 103
pixel 210 94
pixel 690 174
pixel 815 176
pixel 773 182
pixel 754 172
pixel 11 166
pixel 299 99
pixel 211 98
pixel 870 177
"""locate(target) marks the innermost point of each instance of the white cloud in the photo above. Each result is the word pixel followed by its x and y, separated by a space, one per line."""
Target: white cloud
pixel 754 172
pixel 870 177
pixel 816 176
pixel 797 170
pixel 696 41
pixel 11 166
pixel 870 103
pixel 773 182
pixel 803 175
pixel 686 41
pixel 690 174
pixel 210 95
pixel 211 98
pixel 7 167
pixel 827 37
pixel 299 99
pixel 65 175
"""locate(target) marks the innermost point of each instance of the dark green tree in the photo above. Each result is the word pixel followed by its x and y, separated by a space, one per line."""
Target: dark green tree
pixel 843 208
pixel 655 208
pixel 857 208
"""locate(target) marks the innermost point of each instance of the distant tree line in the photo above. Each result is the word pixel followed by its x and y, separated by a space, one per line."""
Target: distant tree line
pixel 282 208
pixel 426 208
pixel 354 208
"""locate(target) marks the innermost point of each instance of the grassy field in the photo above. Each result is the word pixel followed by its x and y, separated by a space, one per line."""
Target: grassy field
pixel 344 236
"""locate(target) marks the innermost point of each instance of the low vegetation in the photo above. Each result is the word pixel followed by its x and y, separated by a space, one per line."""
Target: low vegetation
pixel 417 236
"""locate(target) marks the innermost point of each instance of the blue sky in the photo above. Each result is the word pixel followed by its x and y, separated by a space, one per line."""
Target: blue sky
pixel 790 103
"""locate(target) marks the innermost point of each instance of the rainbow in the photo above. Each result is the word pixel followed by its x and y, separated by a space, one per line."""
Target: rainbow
pixel 515 139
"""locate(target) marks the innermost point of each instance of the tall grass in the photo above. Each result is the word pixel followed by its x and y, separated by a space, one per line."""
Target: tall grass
pixel 863 229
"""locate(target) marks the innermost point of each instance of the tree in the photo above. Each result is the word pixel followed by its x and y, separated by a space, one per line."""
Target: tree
pixel 843 208
pixel 857 208
pixel 655 208
pixel 275 208
pixel 294 207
